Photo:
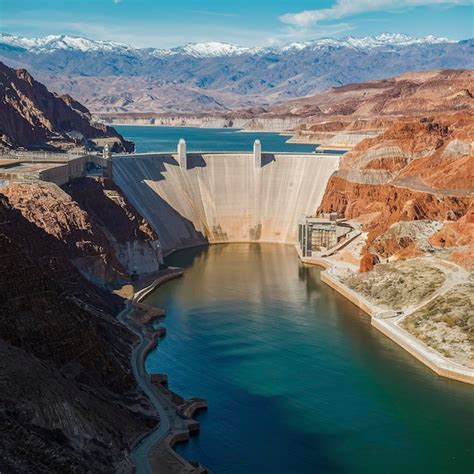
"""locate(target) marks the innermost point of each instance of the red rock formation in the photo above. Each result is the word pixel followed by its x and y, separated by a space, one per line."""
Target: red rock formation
pixel 414 93
pixel 33 117
pixel 418 169
pixel 391 203
pixel 54 212
pixel 458 234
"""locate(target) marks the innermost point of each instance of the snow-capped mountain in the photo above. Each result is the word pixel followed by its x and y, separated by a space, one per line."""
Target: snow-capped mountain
pixel 391 39
pixel 211 49
pixel 215 76
pixel 60 42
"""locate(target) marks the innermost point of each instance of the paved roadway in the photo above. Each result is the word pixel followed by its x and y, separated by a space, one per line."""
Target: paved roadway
pixel 141 451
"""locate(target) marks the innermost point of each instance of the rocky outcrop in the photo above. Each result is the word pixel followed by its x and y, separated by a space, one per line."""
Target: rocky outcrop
pixel 33 117
pixel 418 169
pixel 100 231
pixel 460 236
pixel 136 244
pixel 413 93
pixel 66 391
pixel 82 240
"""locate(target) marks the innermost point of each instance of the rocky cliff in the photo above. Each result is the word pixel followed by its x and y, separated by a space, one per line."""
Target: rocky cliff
pixel 67 395
pixel 135 243
pixel 102 233
pixel 33 117
pixel 416 170
pixel 68 401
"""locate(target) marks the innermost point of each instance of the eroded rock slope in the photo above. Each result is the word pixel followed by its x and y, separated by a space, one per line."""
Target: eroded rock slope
pixel 33 117
pixel 68 399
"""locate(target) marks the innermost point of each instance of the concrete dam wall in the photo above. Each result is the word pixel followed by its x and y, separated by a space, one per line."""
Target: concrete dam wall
pixel 224 197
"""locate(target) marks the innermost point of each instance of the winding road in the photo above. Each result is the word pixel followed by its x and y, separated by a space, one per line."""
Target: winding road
pixel 142 449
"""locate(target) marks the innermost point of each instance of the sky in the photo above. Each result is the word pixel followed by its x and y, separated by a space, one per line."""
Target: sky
pixel 164 24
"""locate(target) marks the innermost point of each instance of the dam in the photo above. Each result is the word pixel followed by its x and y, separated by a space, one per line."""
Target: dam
pixel 225 197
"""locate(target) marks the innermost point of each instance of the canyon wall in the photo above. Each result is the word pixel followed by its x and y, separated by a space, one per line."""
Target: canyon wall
pixel 68 400
pixel 103 235
pixel 224 197
pixel 135 244
pixel 417 170
pixel 33 117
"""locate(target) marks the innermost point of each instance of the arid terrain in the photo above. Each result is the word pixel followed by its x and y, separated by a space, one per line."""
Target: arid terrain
pixel 34 118
pixel 357 108
pixel 219 77
pixel 67 388
pixel 410 187
pixel 64 355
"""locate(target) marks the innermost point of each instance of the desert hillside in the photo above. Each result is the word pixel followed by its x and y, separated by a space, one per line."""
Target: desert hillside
pixel 418 170
pixel 409 93
pixel 33 117
pixel 67 389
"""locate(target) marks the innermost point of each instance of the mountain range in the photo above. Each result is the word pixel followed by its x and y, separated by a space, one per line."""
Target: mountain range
pixel 218 77
pixel 52 43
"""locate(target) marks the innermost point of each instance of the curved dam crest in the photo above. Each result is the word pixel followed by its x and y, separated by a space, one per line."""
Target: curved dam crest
pixel 224 197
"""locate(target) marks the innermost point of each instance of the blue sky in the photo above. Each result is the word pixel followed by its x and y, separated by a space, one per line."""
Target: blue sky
pixel 159 23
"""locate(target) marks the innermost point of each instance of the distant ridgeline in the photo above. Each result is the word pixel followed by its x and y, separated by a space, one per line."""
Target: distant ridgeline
pixel 218 77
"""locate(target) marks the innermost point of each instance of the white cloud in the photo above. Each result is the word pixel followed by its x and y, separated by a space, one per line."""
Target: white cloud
pixel 345 8
pixel 117 1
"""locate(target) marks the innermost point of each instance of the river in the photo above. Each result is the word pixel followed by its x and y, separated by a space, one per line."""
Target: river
pixel 297 379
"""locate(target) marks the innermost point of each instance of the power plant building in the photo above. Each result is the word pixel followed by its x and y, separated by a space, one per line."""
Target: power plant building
pixel 319 234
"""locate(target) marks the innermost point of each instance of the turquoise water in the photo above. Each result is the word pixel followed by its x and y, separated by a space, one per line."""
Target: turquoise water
pixel 205 139
pixel 297 379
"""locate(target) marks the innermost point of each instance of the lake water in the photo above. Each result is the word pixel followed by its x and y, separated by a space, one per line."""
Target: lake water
pixel 297 379
pixel 150 138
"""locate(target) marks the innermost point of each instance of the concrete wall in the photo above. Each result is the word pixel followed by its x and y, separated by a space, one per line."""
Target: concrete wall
pixel 62 173
pixel 224 197
pixel 65 170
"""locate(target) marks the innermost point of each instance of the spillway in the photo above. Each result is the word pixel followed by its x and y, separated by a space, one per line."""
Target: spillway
pixel 224 197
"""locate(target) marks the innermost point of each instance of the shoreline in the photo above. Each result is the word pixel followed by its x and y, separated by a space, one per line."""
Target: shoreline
pixel 281 132
pixel 197 127
pixel 152 451
pixel 385 321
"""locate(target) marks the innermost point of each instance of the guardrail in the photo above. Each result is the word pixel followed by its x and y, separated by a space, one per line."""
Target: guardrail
pixel 42 156
pixel 219 152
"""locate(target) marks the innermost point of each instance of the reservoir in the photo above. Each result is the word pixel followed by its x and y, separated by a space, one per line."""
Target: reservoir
pixel 296 378
pixel 159 139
